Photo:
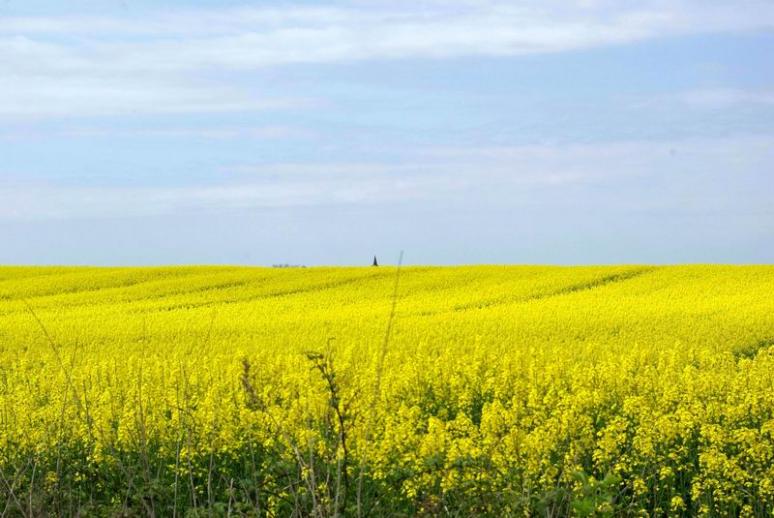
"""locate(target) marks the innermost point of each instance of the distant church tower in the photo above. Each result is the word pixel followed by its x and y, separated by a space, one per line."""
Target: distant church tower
pixel 375 262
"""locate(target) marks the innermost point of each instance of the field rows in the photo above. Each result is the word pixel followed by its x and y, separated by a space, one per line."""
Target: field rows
pixel 629 390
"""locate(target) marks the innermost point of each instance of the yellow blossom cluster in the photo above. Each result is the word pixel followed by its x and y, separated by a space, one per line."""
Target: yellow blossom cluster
pixel 490 390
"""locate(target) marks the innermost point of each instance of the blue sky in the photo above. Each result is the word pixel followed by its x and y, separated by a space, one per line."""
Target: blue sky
pixel 573 132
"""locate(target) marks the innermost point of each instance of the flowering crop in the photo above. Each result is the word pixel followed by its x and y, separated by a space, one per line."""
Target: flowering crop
pixel 499 391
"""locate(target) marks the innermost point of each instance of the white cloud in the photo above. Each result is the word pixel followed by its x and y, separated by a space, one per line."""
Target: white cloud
pixel 28 97
pixel 87 65
pixel 724 97
pixel 199 132
pixel 46 202
pixel 443 175
pixel 707 98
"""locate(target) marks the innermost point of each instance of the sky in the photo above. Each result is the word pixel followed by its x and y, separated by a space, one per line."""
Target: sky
pixel 323 133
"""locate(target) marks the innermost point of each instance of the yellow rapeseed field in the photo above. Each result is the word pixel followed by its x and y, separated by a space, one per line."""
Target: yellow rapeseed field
pixel 491 390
